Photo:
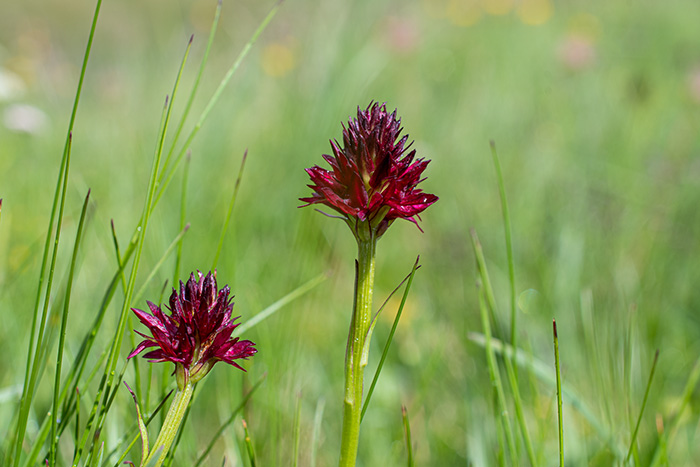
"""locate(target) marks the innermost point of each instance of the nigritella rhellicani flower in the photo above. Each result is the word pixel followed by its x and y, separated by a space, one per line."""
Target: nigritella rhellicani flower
pixel 374 177
pixel 196 333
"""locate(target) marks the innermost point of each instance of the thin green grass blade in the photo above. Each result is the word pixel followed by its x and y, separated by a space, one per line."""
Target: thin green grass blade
pixel 510 367
pixel 668 434
pixel 166 254
pixel 316 433
pixel 143 432
pixel 53 445
pixel 495 377
pixel 195 87
pixel 37 363
pixel 644 404
pixel 134 435
pixel 275 307
pixel 560 411
pixel 27 391
pixel 106 383
pixel 509 246
pixel 230 420
pixel 145 217
pixel 231 203
pixel 249 445
pixel 544 373
pixel 297 431
pixel 215 98
pixel 407 433
pixel 385 352
pixel 183 216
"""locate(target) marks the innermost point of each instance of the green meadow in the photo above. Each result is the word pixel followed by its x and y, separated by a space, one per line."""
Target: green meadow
pixel 594 109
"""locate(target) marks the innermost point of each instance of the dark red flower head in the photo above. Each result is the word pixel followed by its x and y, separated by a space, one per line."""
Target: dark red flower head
pixel 373 181
pixel 197 332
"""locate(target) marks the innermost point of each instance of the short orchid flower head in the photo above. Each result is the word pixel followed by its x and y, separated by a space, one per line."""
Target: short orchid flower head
pixel 196 333
pixel 374 178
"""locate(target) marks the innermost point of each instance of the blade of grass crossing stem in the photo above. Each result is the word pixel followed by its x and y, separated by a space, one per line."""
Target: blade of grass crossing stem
pixel 272 309
pixel 667 437
pixel 108 376
pixel 560 414
pixel 509 245
pixel 510 370
pixel 231 203
pixel 495 377
pixel 228 422
pixel 36 362
pixel 183 213
pixel 145 217
pixel 214 99
pixel 297 430
pixel 407 433
pixel 641 410
pixel 27 395
pixel 316 433
pixel 385 352
pixel 62 336
pixel 195 87
pixel 249 445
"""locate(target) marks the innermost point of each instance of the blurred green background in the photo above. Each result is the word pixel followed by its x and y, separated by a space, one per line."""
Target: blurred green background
pixel 594 108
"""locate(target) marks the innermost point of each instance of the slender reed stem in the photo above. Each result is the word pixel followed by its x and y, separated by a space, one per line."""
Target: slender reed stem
pixel 354 361
pixel 559 404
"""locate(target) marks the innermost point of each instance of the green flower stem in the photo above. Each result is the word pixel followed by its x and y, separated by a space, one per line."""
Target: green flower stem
pixel 171 424
pixel 355 354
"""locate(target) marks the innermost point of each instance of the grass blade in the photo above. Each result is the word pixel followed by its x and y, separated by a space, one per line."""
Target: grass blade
pixel 644 404
pixel 559 398
pixel 249 445
pixel 407 433
pixel 229 211
pixel 316 433
pixel 225 425
pixel 163 183
pixel 62 336
pixel 297 431
pixel 668 434
pixel 272 309
pixel 385 352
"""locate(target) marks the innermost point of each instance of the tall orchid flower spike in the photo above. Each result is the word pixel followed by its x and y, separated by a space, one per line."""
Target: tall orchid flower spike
pixel 373 181
pixel 195 335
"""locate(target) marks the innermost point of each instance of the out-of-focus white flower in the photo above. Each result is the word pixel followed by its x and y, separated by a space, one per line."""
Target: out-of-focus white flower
pixel 24 118
pixel 11 85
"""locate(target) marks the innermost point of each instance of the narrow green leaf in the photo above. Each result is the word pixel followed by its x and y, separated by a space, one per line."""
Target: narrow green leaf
pixel 249 445
pixel 385 352
pixel 560 412
pixel 644 404
pixel 275 307
pixel 229 211
pixel 230 420
pixel 297 431
pixel 53 444
pixel 407 433
pixel 142 426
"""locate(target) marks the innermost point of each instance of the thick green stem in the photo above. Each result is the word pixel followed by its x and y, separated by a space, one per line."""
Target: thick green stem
pixel 355 354
pixel 171 424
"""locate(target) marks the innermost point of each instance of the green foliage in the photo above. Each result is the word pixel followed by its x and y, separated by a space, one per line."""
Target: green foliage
pixel 597 159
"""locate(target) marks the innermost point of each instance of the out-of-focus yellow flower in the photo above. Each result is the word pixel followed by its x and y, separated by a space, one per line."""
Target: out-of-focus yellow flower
pixel 535 12
pixel 464 12
pixel 497 7
pixel 278 59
